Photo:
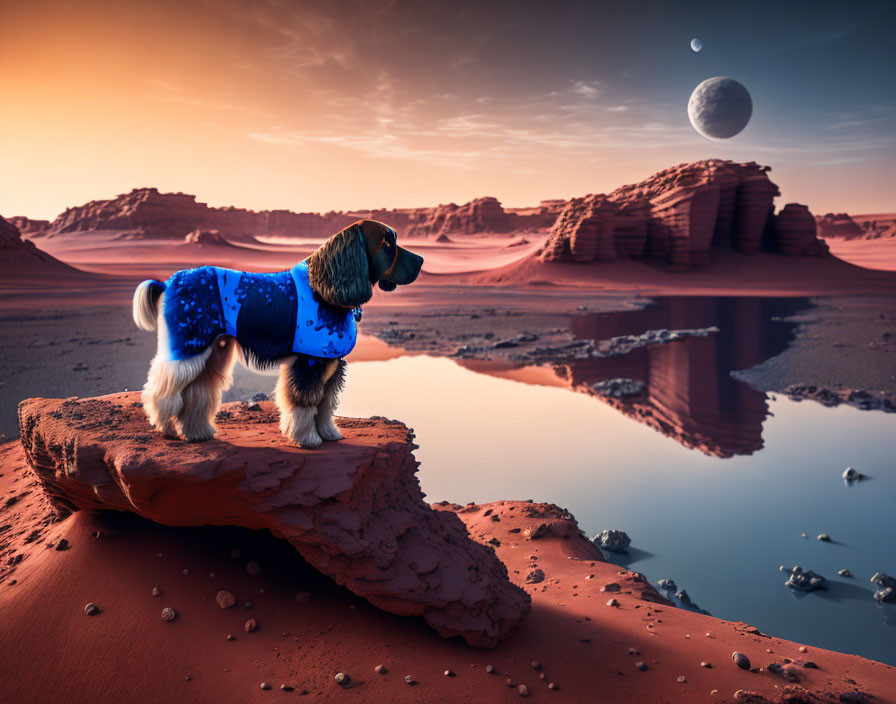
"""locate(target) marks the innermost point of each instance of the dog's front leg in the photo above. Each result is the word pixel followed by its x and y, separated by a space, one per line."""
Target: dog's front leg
pixel 300 390
pixel 334 381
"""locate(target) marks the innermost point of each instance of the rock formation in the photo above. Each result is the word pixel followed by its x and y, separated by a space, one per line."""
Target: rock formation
pixel 796 232
pixel 205 238
pixel 144 212
pixel 838 225
pixel 679 214
pixel 29 227
pixel 353 509
pixel 19 257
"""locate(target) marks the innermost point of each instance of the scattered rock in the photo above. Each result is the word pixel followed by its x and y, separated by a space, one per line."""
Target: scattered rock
pixel 851 474
pixel 641 665
pixel 253 568
pixel 286 687
pixel 157 590
pixel 229 636
pixel 251 625
pixel 844 573
pixel 612 540
pixel 667 585
pixel 612 602
pixel 490 669
pixel 705 664
pixel 806 581
pixel 682 679
pixel 410 680
pixel 823 537
pixel 91 609
pixel 342 679
pixel 535 665
pixel 265 685
pixel 380 669
pixel 523 690
pixel 62 544
pixel 535 576
pixel 448 673
pixel 168 614
pixel 225 599
pixel 741 660
pixel 611 587
pixel 886 592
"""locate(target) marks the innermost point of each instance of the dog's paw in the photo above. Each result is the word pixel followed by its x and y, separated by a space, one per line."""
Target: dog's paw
pixel 308 441
pixel 329 431
pixel 199 435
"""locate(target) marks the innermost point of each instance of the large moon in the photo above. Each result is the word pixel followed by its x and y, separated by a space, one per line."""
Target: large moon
pixel 720 108
pixel 696 44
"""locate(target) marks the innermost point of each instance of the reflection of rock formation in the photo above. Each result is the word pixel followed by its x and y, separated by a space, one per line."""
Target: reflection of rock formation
pixel 679 214
pixel 689 394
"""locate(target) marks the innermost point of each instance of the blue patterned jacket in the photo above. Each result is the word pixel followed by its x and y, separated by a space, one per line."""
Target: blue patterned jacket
pixel 272 316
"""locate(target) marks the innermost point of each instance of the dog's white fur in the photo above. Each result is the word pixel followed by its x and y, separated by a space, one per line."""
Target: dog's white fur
pixel 183 395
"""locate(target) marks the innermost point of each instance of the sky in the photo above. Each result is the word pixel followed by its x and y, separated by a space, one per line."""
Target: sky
pixel 353 104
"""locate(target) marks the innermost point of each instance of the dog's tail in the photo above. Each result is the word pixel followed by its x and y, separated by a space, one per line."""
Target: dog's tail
pixel 146 299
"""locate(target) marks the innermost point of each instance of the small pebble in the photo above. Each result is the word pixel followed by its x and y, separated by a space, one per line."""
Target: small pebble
pixel 410 680
pixel 286 687
pixel 824 537
pixel 705 664
pixel 633 651
pixel 612 602
pixel 188 678
pixel 380 669
pixel 91 609
pixel 342 678
pixel 448 673
pixel 741 660
pixel 248 604
pixel 510 682
pixel 682 678
pixel 251 625
pixel 157 590
pixel 168 614
pixel 804 649
pixel 523 690
pixel 804 536
pixel 551 685
pixel 229 637
pixel 253 568
pixel 225 599
pixel 489 669
pixel 641 665
pixel 535 665
pixel 265 685
pixel 844 573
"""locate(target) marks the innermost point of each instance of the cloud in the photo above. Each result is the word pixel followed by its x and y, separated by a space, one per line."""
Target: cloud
pixel 586 90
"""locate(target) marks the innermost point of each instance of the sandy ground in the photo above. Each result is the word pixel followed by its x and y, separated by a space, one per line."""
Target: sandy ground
pixel 871 254
pixel 309 628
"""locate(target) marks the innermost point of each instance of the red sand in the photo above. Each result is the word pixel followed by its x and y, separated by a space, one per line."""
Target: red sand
pixel 127 653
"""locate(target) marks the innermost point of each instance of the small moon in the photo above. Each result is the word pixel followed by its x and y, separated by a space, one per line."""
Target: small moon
pixel 720 108
pixel 696 44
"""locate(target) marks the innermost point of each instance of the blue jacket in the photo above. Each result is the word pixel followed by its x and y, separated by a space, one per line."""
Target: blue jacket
pixel 272 316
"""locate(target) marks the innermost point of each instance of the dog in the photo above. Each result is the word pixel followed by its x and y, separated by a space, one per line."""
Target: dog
pixel 303 320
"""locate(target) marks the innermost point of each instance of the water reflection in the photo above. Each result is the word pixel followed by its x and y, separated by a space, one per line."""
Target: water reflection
pixel 688 393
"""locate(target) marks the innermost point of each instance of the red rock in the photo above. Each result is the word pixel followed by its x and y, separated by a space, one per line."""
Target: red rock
pixel 29 227
pixel 678 214
pixel 206 238
pixel 795 229
pixel 353 509
pixel 225 600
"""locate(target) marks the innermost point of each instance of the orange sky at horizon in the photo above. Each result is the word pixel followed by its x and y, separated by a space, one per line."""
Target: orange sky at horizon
pixel 309 106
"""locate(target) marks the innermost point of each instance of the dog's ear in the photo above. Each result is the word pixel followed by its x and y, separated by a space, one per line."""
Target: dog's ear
pixel 339 271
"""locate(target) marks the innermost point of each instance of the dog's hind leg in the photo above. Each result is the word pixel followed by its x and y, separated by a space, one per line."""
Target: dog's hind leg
pixel 162 394
pixel 202 396
pixel 334 381
pixel 299 392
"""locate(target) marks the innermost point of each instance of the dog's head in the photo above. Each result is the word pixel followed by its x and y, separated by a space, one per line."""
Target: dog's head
pixel 344 269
